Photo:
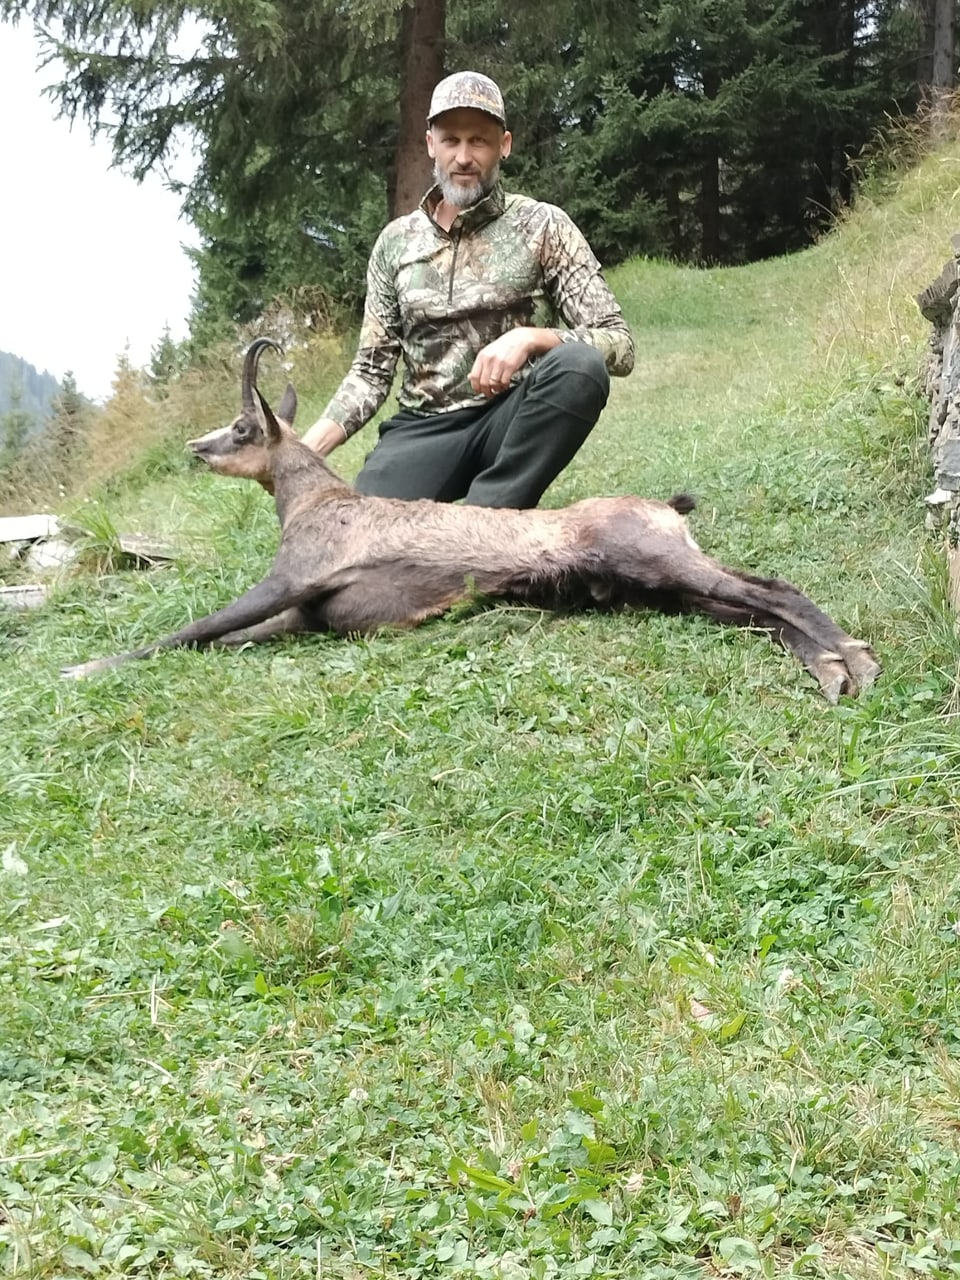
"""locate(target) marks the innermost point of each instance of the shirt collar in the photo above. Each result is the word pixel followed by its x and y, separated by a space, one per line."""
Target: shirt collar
pixel 469 219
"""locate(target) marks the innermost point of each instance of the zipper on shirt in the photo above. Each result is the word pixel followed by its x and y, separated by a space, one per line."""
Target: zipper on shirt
pixel 453 263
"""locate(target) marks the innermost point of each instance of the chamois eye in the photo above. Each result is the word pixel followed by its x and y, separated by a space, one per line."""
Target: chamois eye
pixel 243 430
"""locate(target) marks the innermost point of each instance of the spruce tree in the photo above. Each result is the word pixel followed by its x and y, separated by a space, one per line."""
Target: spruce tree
pixel 16 425
pixel 166 361
pixel 66 432
pixel 709 130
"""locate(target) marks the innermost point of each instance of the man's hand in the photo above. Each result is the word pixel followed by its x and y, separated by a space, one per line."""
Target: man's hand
pixel 499 360
pixel 324 436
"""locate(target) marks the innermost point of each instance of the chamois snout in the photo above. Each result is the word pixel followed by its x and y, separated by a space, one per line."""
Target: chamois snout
pixel 207 448
pixel 240 450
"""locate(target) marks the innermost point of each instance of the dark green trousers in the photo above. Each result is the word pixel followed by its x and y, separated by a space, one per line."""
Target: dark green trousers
pixel 504 454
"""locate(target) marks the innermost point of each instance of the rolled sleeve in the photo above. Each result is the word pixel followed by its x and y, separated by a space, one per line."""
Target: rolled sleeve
pixel 370 376
pixel 583 299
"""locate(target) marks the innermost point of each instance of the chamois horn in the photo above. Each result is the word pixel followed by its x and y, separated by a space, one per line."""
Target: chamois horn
pixel 251 362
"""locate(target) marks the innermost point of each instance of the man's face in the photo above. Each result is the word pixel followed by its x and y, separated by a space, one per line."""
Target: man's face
pixel 466 148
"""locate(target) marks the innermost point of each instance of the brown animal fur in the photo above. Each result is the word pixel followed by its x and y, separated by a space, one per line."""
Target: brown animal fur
pixel 350 564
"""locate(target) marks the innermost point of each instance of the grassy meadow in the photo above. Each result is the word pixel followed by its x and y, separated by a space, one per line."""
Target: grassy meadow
pixel 516 946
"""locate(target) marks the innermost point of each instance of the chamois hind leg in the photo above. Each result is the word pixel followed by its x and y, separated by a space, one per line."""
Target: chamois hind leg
pixel 837 673
pixel 650 554
pixel 825 649
pixel 778 606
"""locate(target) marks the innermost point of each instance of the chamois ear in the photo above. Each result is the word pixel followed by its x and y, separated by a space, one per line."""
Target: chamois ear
pixel 268 423
pixel 287 409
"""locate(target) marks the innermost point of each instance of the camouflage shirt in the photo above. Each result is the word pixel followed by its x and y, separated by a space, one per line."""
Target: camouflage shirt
pixel 438 297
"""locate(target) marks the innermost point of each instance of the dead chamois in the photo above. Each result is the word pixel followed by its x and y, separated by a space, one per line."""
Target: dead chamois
pixel 351 564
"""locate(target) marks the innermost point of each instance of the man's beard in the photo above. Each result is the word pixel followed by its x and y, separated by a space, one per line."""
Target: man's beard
pixel 461 197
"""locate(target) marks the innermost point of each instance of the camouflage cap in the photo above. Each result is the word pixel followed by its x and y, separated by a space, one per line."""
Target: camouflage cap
pixel 467 89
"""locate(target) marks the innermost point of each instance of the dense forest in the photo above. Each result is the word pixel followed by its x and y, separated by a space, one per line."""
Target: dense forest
pixel 703 131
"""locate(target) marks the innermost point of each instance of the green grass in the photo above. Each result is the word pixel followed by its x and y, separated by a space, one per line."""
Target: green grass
pixel 516 946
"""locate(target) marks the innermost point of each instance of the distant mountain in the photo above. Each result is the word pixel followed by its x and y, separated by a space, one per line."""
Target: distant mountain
pixel 36 391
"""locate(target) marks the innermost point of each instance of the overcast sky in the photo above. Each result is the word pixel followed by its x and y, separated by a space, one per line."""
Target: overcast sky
pixel 91 261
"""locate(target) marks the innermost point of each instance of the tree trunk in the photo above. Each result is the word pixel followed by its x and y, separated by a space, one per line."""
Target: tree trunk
pixel 943 44
pixel 834 27
pixel 422 47
pixel 847 41
pixel 710 247
pixel 942 62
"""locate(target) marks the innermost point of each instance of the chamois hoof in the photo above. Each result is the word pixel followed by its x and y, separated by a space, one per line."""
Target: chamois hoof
pixel 861 663
pixel 847 673
pixel 834 689
pixel 79 672
pixel 84 669
pixel 833 678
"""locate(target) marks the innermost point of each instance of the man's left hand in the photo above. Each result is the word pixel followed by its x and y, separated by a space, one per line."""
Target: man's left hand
pixel 499 360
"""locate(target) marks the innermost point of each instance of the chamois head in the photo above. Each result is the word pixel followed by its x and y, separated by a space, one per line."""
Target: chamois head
pixel 243 448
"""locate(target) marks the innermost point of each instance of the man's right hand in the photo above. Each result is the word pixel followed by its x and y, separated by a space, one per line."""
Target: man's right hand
pixel 324 436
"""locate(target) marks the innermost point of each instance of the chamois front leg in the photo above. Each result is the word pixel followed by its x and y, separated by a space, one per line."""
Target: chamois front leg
pixel 292 622
pixel 272 597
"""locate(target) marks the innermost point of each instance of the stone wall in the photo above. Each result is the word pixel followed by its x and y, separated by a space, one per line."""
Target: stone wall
pixel 940 304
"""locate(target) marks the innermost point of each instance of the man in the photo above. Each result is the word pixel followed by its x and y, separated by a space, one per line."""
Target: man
pixel 496 396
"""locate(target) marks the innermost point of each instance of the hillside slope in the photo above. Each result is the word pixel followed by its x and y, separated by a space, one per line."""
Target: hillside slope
pixel 516 946
pixel 26 389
